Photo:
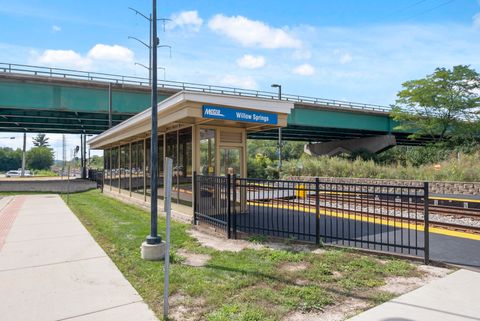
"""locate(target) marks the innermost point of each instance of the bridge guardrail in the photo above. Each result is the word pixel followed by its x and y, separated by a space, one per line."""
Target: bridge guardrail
pixel 176 85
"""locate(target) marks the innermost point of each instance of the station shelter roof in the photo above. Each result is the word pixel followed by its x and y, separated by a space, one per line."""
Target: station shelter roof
pixel 190 108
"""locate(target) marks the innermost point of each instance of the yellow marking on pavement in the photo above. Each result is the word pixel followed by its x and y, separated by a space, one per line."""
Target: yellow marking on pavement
pixel 375 220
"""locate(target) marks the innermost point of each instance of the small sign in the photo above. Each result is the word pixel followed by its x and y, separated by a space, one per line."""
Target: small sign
pixel 244 115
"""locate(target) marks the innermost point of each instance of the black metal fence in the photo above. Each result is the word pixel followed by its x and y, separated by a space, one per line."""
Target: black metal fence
pixel 96 176
pixel 377 217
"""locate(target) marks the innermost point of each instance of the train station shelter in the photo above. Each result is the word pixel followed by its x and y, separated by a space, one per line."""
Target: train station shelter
pixel 202 132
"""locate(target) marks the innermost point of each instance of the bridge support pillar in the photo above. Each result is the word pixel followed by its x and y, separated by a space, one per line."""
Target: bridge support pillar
pixel 371 144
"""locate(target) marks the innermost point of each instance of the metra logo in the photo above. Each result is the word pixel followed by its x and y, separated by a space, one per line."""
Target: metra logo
pixel 213 112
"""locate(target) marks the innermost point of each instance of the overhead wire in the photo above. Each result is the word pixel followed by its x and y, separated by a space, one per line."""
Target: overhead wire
pixel 431 9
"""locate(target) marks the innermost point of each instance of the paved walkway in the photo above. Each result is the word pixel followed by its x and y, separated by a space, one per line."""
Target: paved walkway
pixel 453 298
pixel 52 269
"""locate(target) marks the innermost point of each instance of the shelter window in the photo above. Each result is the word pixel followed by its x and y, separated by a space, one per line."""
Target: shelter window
pixel 207 151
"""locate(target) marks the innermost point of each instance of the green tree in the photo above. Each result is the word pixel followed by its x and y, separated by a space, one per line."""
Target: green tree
pixel 40 141
pixel 443 105
pixel 39 158
pixel 10 159
pixel 96 162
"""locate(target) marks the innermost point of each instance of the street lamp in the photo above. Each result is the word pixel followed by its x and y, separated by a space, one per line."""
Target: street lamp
pixel 148 68
pixel 279 131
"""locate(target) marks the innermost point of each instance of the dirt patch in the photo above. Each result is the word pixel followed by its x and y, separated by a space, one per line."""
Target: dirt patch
pixel 400 285
pixel 194 259
pixel 222 244
pixel 337 312
pixel 185 308
pixel 294 266
pixel 434 271
pixel 291 247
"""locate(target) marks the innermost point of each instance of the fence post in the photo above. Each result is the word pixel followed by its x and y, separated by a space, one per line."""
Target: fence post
pixel 229 206
pixel 317 212
pixel 426 232
pixel 234 200
pixel 195 197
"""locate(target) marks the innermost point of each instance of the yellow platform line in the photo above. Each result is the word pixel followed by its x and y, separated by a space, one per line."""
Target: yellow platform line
pixel 383 221
pixel 453 199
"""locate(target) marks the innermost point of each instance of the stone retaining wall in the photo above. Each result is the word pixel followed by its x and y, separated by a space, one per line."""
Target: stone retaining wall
pixel 47 186
pixel 459 188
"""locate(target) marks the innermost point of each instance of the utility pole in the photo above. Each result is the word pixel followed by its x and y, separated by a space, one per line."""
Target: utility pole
pixel 84 169
pixel 24 153
pixel 154 238
pixel 280 143
pixel 64 154
pixel 109 105
pixel 153 248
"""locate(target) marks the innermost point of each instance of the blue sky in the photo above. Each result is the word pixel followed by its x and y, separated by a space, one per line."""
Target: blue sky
pixel 351 50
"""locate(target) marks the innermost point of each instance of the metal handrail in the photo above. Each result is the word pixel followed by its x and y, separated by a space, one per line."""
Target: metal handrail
pixel 177 85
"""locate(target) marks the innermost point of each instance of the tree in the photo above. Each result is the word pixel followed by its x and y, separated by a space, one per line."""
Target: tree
pixel 39 158
pixel 96 162
pixel 443 106
pixel 10 159
pixel 40 141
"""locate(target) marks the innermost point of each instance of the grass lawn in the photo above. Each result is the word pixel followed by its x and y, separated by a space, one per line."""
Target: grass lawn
pixel 263 284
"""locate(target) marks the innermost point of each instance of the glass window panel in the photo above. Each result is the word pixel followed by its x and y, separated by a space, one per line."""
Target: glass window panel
pixel 184 169
pixel 207 151
pixel 171 152
pixel 230 160
pixel 106 166
pixel 147 165
pixel 115 169
pixel 138 175
pixel 125 167
pixel 160 166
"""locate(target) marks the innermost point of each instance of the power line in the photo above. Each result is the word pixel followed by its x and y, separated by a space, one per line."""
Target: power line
pixel 431 9
pixel 405 8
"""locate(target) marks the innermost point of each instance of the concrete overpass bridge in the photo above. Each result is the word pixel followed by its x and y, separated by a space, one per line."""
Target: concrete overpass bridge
pixel 52 100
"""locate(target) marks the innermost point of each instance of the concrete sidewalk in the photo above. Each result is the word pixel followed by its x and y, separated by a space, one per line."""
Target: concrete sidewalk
pixel 52 269
pixel 453 298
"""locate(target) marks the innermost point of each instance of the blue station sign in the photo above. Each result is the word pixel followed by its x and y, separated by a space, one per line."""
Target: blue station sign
pixel 244 115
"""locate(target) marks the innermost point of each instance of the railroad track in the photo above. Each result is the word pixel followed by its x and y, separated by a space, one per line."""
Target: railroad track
pixel 397 219
pixel 444 210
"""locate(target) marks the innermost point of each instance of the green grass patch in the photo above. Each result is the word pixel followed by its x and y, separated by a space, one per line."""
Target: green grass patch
pixel 247 285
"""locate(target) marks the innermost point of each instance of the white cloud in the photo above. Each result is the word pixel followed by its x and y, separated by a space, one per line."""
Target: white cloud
pixel 238 81
pixel 301 54
pixel 345 58
pixel 304 70
pixel 186 19
pixel 62 58
pixel 252 33
pixel 99 55
pixel 112 53
pixel 476 20
pixel 56 28
pixel 251 62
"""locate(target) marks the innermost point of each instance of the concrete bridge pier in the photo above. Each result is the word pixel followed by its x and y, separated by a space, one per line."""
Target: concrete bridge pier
pixel 373 144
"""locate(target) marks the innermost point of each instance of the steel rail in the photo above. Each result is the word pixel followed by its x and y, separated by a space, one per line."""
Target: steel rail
pixel 434 209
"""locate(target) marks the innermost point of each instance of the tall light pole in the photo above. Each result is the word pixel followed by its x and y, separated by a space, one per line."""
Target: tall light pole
pixel 279 131
pixel 153 248
pixel 154 238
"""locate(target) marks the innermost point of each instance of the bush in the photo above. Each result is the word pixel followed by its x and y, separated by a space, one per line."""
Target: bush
pixel 39 158
pixel 461 167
